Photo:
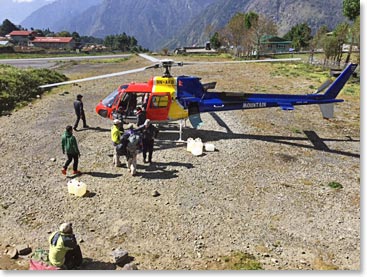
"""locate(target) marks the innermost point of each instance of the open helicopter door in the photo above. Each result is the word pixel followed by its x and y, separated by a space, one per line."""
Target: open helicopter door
pixel 158 106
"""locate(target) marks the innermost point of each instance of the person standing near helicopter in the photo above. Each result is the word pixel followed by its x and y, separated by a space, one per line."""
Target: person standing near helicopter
pixel 149 132
pixel 69 147
pixel 79 111
pixel 132 140
pixel 116 137
pixel 140 116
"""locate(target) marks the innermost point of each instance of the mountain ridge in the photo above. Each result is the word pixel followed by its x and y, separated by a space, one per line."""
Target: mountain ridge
pixel 285 13
pixel 186 22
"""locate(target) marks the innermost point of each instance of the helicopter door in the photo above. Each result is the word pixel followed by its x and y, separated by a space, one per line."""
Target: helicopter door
pixel 158 106
pixel 114 106
pixel 116 103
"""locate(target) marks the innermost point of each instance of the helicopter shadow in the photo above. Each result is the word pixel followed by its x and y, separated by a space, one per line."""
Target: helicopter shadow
pixel 317 143
pixel 158 170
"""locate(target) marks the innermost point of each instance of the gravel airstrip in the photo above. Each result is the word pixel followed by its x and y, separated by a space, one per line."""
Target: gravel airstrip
pixel 266 190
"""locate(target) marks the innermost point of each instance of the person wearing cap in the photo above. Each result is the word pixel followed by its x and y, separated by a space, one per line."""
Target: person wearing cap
pixel 64 251
pixel 79 111
pixel 69 147
pixel 149 132
pixel 119 114
pixel 116 138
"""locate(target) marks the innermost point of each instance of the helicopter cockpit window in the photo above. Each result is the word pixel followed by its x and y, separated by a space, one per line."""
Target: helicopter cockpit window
pixel 108 101
pixel 159 101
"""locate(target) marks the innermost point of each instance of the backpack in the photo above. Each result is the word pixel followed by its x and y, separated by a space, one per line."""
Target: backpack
pixel 133 143
pixel 121 149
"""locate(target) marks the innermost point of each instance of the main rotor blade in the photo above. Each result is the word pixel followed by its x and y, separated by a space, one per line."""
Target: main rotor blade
pixel 94 78
pixel 149 58
pixel 247 61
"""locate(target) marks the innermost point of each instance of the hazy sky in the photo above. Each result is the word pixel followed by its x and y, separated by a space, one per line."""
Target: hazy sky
pixel 18 10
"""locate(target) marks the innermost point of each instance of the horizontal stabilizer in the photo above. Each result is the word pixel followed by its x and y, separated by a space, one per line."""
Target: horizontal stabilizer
pixel 327 110
pixel 209 86
pixel 323 86
pixel 286 106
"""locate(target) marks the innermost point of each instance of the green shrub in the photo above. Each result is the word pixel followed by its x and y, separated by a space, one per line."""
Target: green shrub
pixel 18 85
pixel 241 261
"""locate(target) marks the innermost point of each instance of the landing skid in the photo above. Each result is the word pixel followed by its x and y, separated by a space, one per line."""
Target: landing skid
pixel 180 138
pixel 172 128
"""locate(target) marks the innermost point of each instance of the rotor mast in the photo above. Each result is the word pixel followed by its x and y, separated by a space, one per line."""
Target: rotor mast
pixel 167 64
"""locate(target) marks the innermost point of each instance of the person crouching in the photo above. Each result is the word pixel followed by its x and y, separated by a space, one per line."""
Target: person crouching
pixel 64 251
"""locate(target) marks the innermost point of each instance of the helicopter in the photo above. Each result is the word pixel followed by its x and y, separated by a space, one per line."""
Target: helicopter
pixel 166 98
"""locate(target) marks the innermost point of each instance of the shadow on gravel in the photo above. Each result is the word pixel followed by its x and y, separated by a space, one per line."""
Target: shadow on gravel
pixel 310 141
pixel 102 174
pixel 161 174
pixel 90 264
pixel 97 129
pixel 159 170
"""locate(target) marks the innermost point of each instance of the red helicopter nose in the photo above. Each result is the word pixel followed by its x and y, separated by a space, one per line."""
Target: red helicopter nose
pixel 101 110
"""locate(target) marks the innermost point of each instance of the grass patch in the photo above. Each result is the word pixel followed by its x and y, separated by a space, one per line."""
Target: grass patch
pixel 320 264
pixel 297 70
pixel 295 130
pixel 236 261
pixel 117 60
pixel 352 88
pixel 335 185
pixel 307 182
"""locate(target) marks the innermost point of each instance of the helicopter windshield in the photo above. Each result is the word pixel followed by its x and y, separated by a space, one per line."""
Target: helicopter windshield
pixel 108 101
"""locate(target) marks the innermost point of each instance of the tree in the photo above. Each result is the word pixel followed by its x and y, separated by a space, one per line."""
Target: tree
pixel 48 33
pixel 259 27
pixel 121 42
pixel 215 41
pixel 250 19
pixel 75 36
pixel 330 45
pixel 356 34
pixel 341 35
pixel 108 42
pixel 351 9
pixel 63 34
pixel 300 35
pixel 7 27
pixel 236 30
pixel 316 41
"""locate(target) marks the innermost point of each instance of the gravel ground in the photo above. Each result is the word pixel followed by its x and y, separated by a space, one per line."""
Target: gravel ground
pixel 264 191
